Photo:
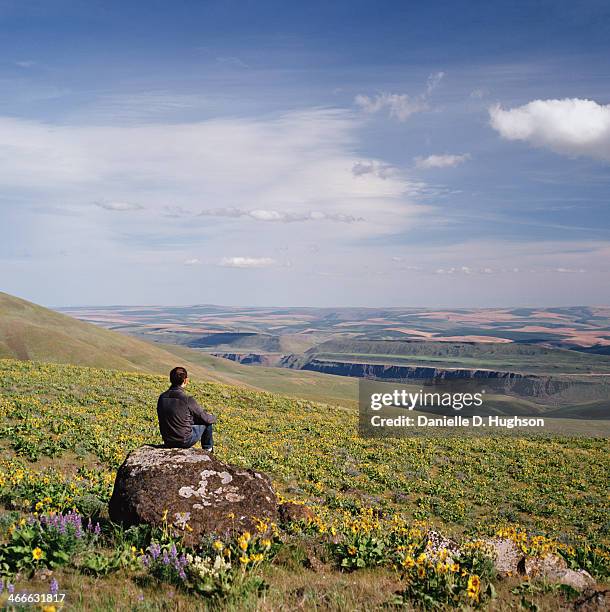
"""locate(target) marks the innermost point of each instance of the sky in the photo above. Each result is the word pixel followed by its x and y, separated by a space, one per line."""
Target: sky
pixel 346 153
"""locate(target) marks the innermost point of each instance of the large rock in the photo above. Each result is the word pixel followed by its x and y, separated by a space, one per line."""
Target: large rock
pixel 193 491
pixel 509 560
pixel 507 556
pixel 554 568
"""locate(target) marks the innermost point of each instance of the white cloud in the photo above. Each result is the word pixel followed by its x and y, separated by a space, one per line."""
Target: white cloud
pixel 191 262
pixel 399 106
pixel 119 206
pixel 291 167
pixel 441 161
pixel 247 262
pixel 25 63
pixel 276 215
pixel 434 81
pixel 571 126
pixel 373 167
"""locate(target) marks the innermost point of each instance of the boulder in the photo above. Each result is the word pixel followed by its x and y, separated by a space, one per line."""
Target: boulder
pixel 510 561
pixel 554 568
pixel 191 490
pixel 507 555
pixel 438 544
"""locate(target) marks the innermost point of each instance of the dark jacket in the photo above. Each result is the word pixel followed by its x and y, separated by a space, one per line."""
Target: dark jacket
pixel 177 413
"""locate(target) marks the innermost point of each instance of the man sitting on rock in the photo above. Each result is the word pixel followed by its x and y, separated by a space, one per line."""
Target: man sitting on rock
pixel 182 421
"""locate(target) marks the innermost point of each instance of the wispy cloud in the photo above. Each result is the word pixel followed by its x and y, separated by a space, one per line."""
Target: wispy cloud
pixel 441 161
pixel 571 126
pixel 278 216
pixel 119 206
pixel 232 61
pixel 192 262
pixel 373 167
pixel 434 80
pixel 290 168
pixel 478 93
pixel 399 106
pixel 247 262
pixel 25 63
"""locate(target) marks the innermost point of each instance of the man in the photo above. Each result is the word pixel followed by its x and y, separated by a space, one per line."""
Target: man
pixel 182 421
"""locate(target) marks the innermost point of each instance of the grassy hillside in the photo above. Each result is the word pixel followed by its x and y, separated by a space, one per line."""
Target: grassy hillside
pixel 28 331
pixel 65 429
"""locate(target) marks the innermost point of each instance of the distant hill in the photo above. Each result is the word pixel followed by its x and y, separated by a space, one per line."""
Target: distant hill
pixel 31 332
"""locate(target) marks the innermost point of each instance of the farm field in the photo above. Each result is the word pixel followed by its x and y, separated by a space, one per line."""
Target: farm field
pixel 66 429
pixel 294 330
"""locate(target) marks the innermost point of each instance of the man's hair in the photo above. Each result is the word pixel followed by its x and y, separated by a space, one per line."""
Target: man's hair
pixel 177 376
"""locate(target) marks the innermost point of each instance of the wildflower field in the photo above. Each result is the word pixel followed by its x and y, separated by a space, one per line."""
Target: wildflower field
pixel 64 430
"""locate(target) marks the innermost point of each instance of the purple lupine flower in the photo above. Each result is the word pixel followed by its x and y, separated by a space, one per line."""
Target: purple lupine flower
pixel 10 588
pixel 141 597
pixel 182 574
pixel 1 586
pixel 165 558
pixel 54 586
pixel 97 529
pixel 145 560
pixel 173 552
pixel 89 525
pixel 155 550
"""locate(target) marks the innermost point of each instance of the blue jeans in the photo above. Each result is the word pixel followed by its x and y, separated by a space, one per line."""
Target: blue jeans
pixel 203 433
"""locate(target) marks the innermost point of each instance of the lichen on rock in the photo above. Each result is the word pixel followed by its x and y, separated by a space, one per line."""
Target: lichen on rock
pixel 192 490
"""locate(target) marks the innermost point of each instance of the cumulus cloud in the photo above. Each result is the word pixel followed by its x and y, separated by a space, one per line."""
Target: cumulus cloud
pixel 276 215
pixel 247 262
pixel 119 206
pixel 441 161
pixel 571 126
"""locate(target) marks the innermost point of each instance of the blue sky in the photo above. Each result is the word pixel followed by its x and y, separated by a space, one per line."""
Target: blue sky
pixel 273 153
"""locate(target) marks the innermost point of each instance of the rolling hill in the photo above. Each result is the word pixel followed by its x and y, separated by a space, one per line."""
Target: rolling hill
pixel 32 332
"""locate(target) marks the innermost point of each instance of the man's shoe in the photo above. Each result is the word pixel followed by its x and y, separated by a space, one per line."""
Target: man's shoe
pixel 208 450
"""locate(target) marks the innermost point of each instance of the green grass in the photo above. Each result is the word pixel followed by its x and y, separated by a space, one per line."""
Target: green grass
pixel 65 429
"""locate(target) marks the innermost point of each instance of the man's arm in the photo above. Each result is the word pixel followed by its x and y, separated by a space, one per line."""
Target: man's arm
pixel 200 416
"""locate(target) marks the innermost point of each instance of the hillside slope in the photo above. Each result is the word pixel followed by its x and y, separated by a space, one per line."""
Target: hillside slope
pixel 31 332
